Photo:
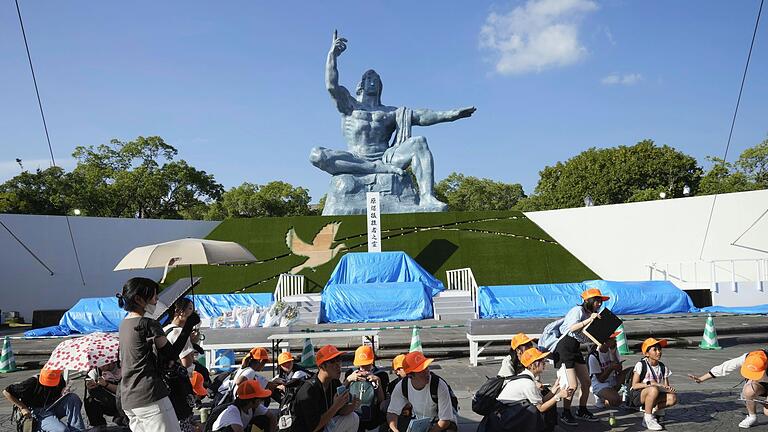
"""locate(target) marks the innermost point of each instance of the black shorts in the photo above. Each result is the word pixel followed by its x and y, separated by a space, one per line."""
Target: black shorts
pixel 568 352
pixel 634 397
pixel 764 386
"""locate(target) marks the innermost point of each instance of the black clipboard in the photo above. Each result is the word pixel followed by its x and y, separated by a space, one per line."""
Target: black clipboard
pixel 600 330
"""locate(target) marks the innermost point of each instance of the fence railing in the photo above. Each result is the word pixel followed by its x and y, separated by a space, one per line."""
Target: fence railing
pixel 464 280
pixel 289 285
pixel 710 273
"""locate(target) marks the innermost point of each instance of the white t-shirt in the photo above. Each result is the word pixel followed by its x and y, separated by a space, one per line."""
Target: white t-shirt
pixel 596 366
pixel 249 374
pixel 174 334
pixel 506 369
pixel 653 373
pixel 521 389
pixel 233 416
pixel 421 400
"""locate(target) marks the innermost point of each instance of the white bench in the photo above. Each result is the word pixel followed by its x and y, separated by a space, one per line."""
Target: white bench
pixel 474 344
pixel 236 339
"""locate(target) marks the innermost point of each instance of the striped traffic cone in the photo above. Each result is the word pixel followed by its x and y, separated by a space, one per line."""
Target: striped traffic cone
pixel 308 354
pixel 415 341
pixel 7 361
pixel 709 340
pixel 621 341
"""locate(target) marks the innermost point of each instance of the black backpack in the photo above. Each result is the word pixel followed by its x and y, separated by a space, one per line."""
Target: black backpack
pixel 287 412
pixel 214 415
pixel 485 399
pixel 434 382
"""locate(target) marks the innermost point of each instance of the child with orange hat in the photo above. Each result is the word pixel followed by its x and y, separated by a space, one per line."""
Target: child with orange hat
pixel 248 405
pixel 651 389
pixel 604 363
pixel 510 365
pixel 252 364
pixel 568 353
pixel 752 366
pixel 288 369
pixel 367 383
pixel 322 402
pixel 42 397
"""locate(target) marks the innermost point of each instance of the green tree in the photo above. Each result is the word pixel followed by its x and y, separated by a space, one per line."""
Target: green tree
pixel 44 192
pixel 724 177
pixel 614 175
pixel 753 163
pixel 139 178
pixel 467 193
pixel 273 199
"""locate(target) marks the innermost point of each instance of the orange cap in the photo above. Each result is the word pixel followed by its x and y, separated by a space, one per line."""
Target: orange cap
pixel 49 377
pixel 648 343
pixel 397 362
pixel 754 365
pixel 328 352
pixel 251 389
pixel 531 355
pixel 415 361
pixel 520 339
pixel 197 384
pixel 593 292
pixel 363 356
pixel 259 353
pixel 284 357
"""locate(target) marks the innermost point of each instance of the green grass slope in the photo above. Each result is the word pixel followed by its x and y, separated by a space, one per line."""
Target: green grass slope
pixel 501 248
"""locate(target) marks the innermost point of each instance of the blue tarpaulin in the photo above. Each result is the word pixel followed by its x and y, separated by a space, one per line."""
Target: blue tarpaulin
pixel 375 302
pixel 378 287
pixel 363 268
pixel 554 300
pixel 757 309
pixel 103 314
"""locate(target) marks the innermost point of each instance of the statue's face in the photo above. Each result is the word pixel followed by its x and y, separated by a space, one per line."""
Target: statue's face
pixel 371 83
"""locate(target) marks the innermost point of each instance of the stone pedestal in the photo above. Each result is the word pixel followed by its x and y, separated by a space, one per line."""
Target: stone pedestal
pixel 346 194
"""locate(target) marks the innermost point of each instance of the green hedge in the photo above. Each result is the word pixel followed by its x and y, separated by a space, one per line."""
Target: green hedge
pixel 501 248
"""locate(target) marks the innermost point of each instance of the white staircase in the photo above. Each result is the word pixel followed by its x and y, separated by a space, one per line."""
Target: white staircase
pixel 309 307
pixel 458 301
pixel 453 305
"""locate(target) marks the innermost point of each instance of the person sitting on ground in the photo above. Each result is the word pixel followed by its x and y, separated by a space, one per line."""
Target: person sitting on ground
pixel 198 387
pixel 101 384
pixel 606 373
pixel 240 414
pixel 290 373
pixel 289 369
pixel 143 392
pixel 528 387
pixel 510 365
pixel 752 366
pixel 322 403
pixel 368 383
pixel 568 352
pixel 43 396
pixel 252 364
pixel 397 368
pixel 652 391
pixel 418 395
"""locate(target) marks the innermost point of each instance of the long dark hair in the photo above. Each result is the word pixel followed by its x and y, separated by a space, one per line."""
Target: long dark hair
pixel 589 304
pixel 138 286
pixel 180 306
pixel 517 366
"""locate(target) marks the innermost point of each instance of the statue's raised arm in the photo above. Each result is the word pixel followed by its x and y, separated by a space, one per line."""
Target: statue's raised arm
pixel 339 93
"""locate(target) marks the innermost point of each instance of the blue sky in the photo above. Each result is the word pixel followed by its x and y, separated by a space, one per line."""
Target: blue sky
pixel 238 86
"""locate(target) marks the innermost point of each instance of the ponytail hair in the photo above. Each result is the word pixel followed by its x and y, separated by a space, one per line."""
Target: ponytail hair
pixel 181 305
pixel 138 286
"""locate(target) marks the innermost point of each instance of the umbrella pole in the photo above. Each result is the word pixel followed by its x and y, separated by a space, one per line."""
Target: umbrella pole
pixel 191 285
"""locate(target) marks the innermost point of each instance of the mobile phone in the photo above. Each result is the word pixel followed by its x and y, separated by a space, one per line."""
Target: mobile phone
pixel 342 389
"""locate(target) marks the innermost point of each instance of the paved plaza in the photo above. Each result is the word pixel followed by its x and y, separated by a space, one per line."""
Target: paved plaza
pixel 710 406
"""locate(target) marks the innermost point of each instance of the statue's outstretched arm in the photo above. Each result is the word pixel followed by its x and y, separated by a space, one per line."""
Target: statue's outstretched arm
pixel 427 117
pixel 339 94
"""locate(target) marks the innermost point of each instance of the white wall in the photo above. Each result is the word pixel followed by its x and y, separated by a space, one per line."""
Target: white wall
pixel 25 285
pixel 618 242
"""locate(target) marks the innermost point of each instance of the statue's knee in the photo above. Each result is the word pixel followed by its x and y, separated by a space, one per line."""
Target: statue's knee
pixel 317 156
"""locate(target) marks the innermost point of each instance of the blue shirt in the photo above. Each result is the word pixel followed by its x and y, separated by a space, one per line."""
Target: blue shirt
pixel 575 315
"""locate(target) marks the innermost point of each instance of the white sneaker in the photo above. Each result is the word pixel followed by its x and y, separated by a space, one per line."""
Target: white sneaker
pixel 748 422
pixel 650 423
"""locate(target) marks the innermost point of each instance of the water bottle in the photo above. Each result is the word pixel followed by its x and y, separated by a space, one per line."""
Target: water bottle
pixel 612 420
pixel 624 393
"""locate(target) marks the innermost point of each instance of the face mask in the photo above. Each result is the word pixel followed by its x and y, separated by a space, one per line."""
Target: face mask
pixel 149 309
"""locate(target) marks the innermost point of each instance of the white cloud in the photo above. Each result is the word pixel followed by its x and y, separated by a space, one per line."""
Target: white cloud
pixel 609 36
pixel 626 79
pixel 539 35
pixel 9 169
